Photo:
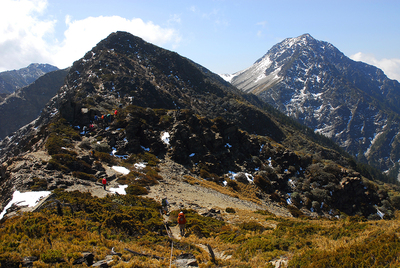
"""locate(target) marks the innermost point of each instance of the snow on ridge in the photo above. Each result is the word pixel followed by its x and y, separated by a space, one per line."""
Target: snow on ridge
pixel 165 137
pixel 227 77
pixel 376 136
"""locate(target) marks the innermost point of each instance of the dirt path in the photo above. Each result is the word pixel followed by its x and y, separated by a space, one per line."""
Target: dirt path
pixel 181 194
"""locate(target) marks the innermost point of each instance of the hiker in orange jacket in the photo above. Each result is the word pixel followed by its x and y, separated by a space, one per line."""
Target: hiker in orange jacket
pixel 104 182
pixel 182 223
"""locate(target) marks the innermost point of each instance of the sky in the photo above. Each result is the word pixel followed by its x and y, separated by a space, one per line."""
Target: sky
pixel 223 36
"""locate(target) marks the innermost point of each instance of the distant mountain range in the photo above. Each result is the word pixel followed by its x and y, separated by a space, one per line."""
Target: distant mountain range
pixel 12 80
pixel 353 103
pixel 24 105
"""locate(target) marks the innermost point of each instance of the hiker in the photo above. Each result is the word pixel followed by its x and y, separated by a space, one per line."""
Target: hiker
pixel 104 182
pixel 115 112
pixel 164 203
pixel 182 223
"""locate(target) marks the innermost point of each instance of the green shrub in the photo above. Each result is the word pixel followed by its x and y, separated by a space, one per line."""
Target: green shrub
pixel 60 133
pixel 255 245
pixel 146 157
pixel 68 161
pixel 105 157
pixel 136 190
pixel 84 176
pixel 252 226
pixel 51 256
pixel 102 147
pixel 39 184
pixel 10 259
pixel 230 210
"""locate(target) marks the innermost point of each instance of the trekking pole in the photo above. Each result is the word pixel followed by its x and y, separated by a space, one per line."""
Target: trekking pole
pixel 170 258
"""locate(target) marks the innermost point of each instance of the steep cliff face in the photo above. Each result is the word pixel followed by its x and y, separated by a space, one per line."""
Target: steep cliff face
pixel 351 102
pixel 161 107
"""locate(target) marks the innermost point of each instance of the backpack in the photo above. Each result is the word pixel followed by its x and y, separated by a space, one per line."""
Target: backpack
pixel 181 218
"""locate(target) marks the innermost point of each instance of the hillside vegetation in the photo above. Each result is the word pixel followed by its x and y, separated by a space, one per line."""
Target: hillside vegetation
pixel 258 190
pixel 75 223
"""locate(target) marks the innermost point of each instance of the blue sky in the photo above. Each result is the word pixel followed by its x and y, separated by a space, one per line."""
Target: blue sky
pixel 224 36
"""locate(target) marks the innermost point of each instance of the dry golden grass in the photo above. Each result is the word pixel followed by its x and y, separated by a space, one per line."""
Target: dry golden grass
pixel 244 239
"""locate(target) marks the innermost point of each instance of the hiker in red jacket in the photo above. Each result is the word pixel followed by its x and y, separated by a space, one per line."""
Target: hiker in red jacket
pixel 104 182
pixel 182 223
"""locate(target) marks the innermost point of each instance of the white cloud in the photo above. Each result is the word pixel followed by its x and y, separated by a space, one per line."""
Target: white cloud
pixel 25 37
pixel 391 67
pixel 22 34
pixel 83 35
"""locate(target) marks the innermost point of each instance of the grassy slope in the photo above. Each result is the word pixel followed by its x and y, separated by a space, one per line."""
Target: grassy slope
pixel 132 222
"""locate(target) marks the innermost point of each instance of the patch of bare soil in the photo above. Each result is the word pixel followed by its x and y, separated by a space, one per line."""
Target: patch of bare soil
pixel 183 195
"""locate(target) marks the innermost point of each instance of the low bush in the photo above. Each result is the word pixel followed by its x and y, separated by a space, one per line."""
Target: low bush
pixel 52 256
pixel 136 190
pixel 84 176
pixel 105 157
pixel 39 184
pixel 252 226
pixel 230 210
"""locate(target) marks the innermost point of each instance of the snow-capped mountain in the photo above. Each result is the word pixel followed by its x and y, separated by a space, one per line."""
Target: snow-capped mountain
pixel 353 103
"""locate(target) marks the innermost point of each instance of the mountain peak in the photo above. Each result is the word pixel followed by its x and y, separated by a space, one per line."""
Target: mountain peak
pixel 312 81
pixel 306 36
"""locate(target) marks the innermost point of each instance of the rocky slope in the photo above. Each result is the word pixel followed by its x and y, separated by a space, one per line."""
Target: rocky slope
pixel 24 105
pixel 13 80
pixel 189 126
pixel 351 102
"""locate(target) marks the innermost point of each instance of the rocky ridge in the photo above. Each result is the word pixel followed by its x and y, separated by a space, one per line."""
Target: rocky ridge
pixel 213 132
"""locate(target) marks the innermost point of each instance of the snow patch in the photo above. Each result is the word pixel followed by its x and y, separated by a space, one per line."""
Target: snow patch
pixel 122 170
pixel 140 165
pixel 165 137
pixel 119 190
pixel 29 199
